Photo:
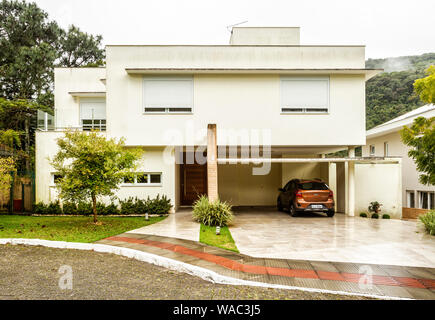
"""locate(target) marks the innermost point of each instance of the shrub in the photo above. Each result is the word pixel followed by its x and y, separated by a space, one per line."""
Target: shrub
pixel 110 209
pixel 386 216
pixel 215 213
pixel 70 208
pixel 158 205
pixel 141 206
pixel 363 215
pixel 54 208
pixel 84 208
pixel 128 206
pixel 428 219
pixel 375 207
pixel 375 216
pixel 40 208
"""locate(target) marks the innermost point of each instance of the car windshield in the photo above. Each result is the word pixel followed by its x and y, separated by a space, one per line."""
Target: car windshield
pixel 312 186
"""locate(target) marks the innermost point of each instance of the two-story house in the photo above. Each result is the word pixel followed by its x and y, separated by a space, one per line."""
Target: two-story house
pixel 385 141
pixel 234 121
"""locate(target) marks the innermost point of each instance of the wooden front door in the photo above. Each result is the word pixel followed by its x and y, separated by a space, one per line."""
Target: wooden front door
pixel 193 182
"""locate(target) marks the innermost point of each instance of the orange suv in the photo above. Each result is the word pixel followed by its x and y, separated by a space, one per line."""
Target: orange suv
pixel 306 195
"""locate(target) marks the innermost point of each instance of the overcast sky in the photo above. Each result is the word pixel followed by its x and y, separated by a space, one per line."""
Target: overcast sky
pixel 388 28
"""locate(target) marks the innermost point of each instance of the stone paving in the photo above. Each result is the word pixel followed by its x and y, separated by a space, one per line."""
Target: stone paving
pixel 267 233
pixel 387 280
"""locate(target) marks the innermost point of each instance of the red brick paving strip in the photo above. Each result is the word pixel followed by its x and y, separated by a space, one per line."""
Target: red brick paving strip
pixel 294 273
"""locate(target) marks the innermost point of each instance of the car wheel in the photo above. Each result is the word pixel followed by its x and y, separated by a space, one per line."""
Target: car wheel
pixel 330 213
pixel 279 205
pixel 292 210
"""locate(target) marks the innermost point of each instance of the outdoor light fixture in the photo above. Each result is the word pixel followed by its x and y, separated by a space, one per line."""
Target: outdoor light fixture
pixel 218 230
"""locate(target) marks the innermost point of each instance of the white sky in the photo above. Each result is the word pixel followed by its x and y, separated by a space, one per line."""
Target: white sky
pixel 388 28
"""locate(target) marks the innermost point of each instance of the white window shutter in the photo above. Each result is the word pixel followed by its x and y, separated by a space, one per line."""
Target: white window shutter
pixel 168 93
pixel 305 93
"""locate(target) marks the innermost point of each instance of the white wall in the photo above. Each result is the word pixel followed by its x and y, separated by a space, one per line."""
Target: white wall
pixel 236 103
pixel 396 148
pixel 67 107
pixel 238 186
pixel 378 182
pixel 152 161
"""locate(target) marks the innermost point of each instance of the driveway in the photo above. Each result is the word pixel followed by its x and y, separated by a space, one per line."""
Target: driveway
pixel 267 233
pixel 179 225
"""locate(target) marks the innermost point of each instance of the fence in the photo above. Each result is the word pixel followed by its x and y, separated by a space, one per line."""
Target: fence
pixel 21 197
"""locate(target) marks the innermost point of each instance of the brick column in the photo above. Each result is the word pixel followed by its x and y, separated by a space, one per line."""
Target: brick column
pixel 212 168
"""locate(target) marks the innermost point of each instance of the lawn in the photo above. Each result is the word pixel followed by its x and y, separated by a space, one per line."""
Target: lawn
pixel 224 240
pixel 72 229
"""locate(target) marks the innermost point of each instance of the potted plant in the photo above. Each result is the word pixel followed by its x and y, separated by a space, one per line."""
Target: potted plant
pixel 375 207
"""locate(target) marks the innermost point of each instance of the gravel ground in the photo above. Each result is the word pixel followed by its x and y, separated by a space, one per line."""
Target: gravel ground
pixel 29 272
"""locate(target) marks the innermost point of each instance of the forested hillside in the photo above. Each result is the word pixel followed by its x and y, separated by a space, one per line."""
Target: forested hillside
pixel 391 93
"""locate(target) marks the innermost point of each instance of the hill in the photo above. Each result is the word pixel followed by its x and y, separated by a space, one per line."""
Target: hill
pixel 391 93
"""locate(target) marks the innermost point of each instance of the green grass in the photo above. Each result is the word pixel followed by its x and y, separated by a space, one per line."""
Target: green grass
pixel 224 240
pixel 72 229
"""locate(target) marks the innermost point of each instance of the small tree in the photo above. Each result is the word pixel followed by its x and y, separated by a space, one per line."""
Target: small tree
pixel 91 166
pixel 7 167
pixel 420 137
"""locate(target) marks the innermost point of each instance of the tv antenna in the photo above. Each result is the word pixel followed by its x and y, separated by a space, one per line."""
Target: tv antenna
pixel 237 24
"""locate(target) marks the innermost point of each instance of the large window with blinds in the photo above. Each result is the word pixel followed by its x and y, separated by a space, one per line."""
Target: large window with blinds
pixel 168 95
pixel 305 94
pixel 93 115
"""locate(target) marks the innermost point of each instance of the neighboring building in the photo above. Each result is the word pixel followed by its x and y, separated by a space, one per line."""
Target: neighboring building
pixel 385 141
pixel 296 102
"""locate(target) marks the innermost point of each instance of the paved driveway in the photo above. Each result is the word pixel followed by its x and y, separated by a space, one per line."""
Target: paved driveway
pixel 272 234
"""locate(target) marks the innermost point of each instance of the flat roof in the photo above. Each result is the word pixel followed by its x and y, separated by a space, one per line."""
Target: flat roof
pixel 403 120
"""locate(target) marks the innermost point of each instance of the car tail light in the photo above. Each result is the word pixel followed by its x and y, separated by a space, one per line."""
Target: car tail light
pixel 331 195
pixel 298 194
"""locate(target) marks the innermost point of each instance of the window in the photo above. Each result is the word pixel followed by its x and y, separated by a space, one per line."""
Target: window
pixel 93 115
pixel 304 95
pixel 168 95
pixel 372 150
pixel 385 149
pixel 313 186
pixel 55 178
pixel 410 196
pixel 141 179
pixel 426 200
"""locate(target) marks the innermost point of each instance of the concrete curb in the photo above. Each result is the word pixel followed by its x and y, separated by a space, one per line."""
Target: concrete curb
pixel 175 265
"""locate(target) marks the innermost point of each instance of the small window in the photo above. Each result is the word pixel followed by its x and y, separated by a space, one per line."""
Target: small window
pixel 129 179
pixel 142 178
pixel 156 178
pixel 93 115
pixel 410 195
pixel 56 178
pixel 372 150
pixel 426 199
pixel 385 149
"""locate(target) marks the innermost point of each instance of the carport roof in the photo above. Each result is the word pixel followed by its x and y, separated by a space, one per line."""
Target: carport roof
pixel 305 160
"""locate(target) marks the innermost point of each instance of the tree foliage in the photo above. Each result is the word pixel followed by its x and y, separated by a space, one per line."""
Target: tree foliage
pixel 91 166
pixel 31 46
pixel 7 166
pixel 420 137
pixel 391 93
pixel 425 87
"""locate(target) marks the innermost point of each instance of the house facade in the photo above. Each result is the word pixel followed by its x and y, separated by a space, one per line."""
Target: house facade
pixel 385 141
pixel 233 121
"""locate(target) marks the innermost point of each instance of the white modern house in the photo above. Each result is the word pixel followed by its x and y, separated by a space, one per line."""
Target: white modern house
pixel 384 141
pixel 234 121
